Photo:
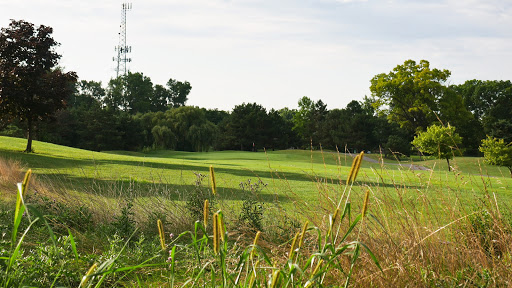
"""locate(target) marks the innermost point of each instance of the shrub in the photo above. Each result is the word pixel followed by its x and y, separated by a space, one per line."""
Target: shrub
pixel 195 198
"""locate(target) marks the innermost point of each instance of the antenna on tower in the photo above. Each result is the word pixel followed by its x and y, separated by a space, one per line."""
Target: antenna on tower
pixel 122 49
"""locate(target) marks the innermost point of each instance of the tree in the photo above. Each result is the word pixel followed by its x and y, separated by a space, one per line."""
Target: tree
pixel 439 141
pixel 309 119
pixel 138 93
pixel 88 94
pixel 179 92
pixel 491 104
pixel 246 128
pixel 114 99
pixel 410 95
pixel 193 131
pixel 497 152
pixel 32 87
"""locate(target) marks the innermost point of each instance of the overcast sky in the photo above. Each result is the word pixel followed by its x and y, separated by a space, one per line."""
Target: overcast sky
pixel 274 52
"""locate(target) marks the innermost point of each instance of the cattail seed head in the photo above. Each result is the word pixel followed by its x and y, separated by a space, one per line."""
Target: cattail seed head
pixel 317 267
pixel 358 165
pixel 87 276
pixel 333 220
pixel 292 249
pixel 365 203
pixel 206 211
pixel 275 278
pixel 216 233
pixel 212 178
pixel 254 243
pixel 161 233
pixel 335 215
pixel 220 225
pixel 352 169
pixel 26 179
pixel 304 228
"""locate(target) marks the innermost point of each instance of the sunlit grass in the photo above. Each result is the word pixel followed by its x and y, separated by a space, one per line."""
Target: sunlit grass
pixel 296 171
pixel 418 219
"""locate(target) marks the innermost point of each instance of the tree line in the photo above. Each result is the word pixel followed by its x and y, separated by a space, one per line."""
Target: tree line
pixel 40 101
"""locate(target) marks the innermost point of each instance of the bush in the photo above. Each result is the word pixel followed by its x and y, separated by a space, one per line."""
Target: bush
pixel 252 212
pixel 195 198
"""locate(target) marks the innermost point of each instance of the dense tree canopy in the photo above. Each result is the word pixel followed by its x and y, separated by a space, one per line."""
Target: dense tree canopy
pixel 135 93
pixel 491 104
pixel 308 120
pixel 132 113
pixel 414 95
pixel 32 87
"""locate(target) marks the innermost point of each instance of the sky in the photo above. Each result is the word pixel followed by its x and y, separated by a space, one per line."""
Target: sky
pixel 275 52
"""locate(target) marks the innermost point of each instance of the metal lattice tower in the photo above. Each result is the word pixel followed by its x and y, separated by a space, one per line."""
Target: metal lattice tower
pixel 122 49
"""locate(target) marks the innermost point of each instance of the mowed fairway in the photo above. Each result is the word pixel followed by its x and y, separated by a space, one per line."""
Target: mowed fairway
pixel 290 174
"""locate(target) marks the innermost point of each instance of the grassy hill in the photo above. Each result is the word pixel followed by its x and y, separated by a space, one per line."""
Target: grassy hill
pixel 51 158
pixel 447 228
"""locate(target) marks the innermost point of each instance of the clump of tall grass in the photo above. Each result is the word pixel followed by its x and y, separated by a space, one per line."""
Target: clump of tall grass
pixel 315 257
pixel 435 236
pixel 398 231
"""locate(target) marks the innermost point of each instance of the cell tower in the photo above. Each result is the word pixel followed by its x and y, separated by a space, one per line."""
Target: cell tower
pixel 122 49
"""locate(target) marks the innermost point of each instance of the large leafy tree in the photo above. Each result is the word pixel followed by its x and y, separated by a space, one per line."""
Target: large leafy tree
pixel 247 127
pixel 308 120
pixel 441 141
pixel 491 104
pixel 138 93
pixel 135 93
pixel 178 92
pixel 497 152
pixel 88 94
pixel 32 87
pixel 413 94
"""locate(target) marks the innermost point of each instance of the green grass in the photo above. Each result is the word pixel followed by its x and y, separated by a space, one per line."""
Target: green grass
pixel 410 211
pixel 293 171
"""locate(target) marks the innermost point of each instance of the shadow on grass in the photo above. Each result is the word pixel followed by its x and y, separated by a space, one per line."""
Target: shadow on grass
pixel 136 189
pixel 147 187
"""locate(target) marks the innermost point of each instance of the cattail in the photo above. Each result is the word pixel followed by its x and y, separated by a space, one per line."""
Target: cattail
pixel 352 169
pixel 309 283
pixel 304 228
pixel 359 161
pixel 275 278
pixel 161 233
pixel 254 243
pixel 22 189
pixel 216 233
pixel 333 220
pixel 25 181
pixel 87 276
pixel 335 215
pixel 212 178
pixel 365 203
pixel 292 249
pixel 206 211
pixel 220 225
pixel 317 267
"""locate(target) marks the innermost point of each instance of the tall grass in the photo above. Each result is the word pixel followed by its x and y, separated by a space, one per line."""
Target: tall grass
pixel 399 231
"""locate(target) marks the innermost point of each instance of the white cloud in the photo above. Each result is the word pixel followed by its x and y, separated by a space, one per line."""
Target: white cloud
pixel 274 52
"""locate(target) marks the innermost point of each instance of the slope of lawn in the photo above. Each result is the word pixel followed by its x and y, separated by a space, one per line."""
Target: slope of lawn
pixel 295 171
pixel 446 228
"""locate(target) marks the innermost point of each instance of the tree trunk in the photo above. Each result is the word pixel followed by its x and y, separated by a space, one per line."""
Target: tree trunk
pixel 29 135
pixel 448 161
